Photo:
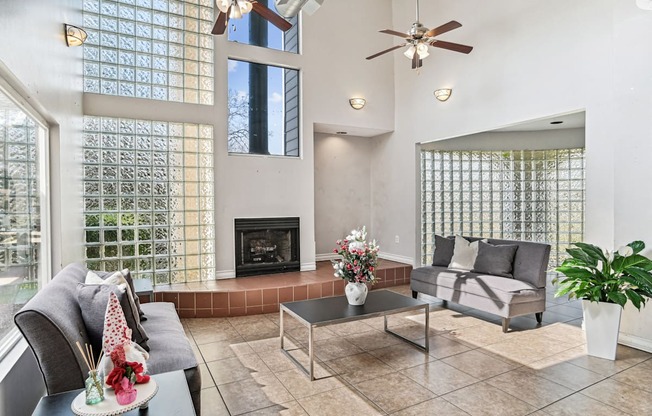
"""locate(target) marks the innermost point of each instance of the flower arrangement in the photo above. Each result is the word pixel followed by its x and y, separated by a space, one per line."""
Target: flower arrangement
pixel 359 258
pixel 124 375
pixel 604 276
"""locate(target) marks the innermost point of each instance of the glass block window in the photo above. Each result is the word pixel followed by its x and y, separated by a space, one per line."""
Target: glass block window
pixel 148 198
pixel 516 195
pixel 155 49
pixel 22 150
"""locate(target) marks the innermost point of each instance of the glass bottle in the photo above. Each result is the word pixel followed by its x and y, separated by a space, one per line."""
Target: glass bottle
pixel 94 389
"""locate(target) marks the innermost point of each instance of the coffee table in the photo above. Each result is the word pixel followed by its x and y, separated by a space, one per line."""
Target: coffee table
pixel 314 313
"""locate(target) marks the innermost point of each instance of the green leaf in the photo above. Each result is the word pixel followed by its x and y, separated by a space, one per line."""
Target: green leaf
pixel 642 277
pixel 593 251
pixel 637 246
pixel 562 290
pixel 576 272
pixel 580 255
pixel 634 297
pixel 617 297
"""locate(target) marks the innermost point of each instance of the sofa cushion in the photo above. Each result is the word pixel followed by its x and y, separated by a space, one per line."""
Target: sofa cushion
pixel 495 260
pixel 464 254
pixel 498 288
pixel 169 349
pixel 92 302
pixel 126 273
pixel 444 248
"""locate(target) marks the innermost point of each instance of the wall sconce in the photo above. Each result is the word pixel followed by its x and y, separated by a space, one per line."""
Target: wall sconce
pixel 443 94
pixel 75 36
pixel 357 103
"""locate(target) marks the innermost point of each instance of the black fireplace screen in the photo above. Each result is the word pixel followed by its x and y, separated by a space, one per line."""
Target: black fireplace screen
pixel 266 245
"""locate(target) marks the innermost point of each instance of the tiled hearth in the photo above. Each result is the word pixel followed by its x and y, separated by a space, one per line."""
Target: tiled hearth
pixel 263 294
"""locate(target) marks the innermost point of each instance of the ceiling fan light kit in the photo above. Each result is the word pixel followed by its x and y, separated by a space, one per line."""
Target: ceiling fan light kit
pixel 443 94
pixel 420 37
pixel 357 103
pixel 235 9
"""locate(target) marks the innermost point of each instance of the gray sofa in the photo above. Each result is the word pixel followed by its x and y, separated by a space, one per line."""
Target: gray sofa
pixel 523 294
pixel 51 322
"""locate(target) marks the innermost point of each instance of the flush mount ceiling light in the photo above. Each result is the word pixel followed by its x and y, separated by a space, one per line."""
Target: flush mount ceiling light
pixel 75 36
pixel 443 94
pixel 357 103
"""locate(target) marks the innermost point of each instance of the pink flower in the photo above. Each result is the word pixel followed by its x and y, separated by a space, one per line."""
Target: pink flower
pixel 126 394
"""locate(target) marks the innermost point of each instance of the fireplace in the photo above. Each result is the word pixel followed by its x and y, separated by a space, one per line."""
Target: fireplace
pixel 266 245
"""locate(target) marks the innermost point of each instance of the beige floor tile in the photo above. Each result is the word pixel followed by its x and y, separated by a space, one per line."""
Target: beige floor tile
pixel 206 378
pixel 257 329
pixel 481 399
pixel 438 377
pixel 394 392
pixel 478 365
pixel 638 376
pixel 262 346
pixel 236 368
pixel 333 348
pixel 297 383
pixel 433 407
pixel 622 396
pixel 569 375
pixel 532 389
pixel 442 347
pixel 402 356
pixel 207 335
pixel 372 340
pixel 212 404
pixel 277 361
pixel 625 358
pixel 451 320
pixel 412 331
pixel 344 401
pixel 479 335
pixel 581 405
pixel 261 391
pixel 286 409
pixel 319 334
pixel 224 349
pixel 350 328
pixel 527 348
pixel 359 367
pixel 568 334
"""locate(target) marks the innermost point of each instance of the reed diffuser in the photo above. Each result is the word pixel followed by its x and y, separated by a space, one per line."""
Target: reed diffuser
pixel 94 388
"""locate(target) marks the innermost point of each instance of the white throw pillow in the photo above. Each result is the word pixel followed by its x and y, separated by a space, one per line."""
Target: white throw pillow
pixel 116 278
pixel 464 254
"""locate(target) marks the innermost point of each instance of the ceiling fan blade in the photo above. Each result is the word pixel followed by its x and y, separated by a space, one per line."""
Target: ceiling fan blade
pixel 447 27
pixel 456 47
pixel 271 17
pixel 393 48
pixel 395 33
pixel 415 61
pixel 221 23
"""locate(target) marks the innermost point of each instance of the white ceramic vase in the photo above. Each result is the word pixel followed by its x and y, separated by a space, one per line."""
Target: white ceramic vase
pixel 356 293
pixel 601 324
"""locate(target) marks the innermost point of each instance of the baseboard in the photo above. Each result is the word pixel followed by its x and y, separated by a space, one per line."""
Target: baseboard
pixel 397 258
pixel 309 266
pixel 327 256
pixel 225 274
pixel 633 341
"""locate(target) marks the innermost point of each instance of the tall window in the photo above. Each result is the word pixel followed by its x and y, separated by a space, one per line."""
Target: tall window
pixel 157 49
pixel 251 29
pixel 23 154
pixel 519 195
pixel 148 198
pixel 263 109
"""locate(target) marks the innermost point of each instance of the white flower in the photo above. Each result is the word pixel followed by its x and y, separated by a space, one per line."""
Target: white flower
pixel 356 245
pixel 626 251
pixel 609 255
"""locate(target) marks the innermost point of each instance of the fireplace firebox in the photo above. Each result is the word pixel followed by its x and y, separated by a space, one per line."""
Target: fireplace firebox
pixel 266 245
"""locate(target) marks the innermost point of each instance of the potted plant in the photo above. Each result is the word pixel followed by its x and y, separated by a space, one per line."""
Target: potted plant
pixel 357 264
pixel 605 281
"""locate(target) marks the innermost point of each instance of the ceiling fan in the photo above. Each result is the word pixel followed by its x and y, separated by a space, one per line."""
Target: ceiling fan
pixel 420 37
pixel 234 9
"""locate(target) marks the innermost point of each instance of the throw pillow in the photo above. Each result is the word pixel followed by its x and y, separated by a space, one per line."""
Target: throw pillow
pixel 128 304
pixel 464 254
pixel 126 273
pixel 444 248
pixel 495 260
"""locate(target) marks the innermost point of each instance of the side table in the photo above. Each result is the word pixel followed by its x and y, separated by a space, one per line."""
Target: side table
pixel 173 398
pixel 143 287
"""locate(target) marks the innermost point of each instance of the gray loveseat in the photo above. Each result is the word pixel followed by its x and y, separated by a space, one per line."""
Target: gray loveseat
pixel 523 294
pixel 51 322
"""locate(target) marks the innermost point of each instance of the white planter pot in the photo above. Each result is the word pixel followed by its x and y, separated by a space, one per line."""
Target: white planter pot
pixel 356 293
pixel 601 324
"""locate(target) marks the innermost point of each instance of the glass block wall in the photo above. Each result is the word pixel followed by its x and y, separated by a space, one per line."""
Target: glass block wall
pixel 148 198
pixel 518 195
pixel 156 49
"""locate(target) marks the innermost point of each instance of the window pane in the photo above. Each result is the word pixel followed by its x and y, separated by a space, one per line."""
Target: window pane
pixel 251 29
pixel 519 195
pixel 21 141
pixel 148 198
pixel 160 49
pixel 263 109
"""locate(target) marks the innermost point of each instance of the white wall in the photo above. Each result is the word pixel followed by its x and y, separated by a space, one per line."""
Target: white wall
pixel 342 189
pixel 531 60
pixel 35 60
